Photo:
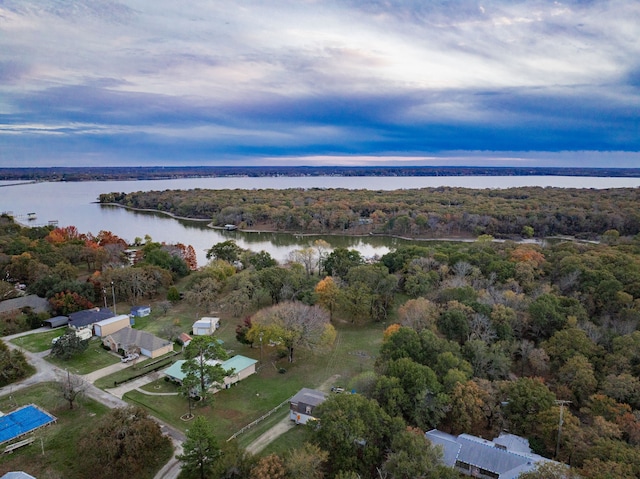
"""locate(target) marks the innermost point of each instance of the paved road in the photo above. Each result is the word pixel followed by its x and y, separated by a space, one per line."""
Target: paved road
pixel 47 372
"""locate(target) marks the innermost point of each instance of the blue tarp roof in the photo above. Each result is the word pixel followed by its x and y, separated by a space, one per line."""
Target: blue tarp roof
pixel 22 421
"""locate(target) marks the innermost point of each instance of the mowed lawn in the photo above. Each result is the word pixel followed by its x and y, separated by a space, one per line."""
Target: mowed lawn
pixel 38 342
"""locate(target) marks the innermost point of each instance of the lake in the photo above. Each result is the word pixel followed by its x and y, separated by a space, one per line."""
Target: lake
pixel 74 204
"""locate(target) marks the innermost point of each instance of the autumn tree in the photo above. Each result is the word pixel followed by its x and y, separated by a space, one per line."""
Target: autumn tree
pixel 328 293
pixel 68 302
pixel 306 462
pixel 269 467
pixel 418 314
pixel 293 324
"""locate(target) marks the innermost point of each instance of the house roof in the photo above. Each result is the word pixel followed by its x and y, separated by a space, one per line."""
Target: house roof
pixel 484 454
pixel 142 339
pixel 206 322
pixel 35 302
pixel 57 321
pixel 312 397
pixel 17 475
pixel 238 363
pixel 114 319
pixel 89 316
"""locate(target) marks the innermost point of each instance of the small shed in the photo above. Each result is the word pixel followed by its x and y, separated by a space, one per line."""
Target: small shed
pixel 111 325
pixel 301 405
pixel 56 322
pixel 140 311
pixel 184 339
pixel 205 326
pixel 17 475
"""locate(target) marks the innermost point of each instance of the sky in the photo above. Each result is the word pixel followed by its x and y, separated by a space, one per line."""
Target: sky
pixel 320 82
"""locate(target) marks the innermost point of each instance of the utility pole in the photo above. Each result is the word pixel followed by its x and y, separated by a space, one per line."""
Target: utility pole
pixel 113 293
pixel 561 403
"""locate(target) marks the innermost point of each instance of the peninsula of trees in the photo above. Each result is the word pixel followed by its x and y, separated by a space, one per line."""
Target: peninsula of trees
pixel 418 213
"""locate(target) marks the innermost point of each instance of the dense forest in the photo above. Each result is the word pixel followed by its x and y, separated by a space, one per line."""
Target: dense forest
pixel 428 212
pixel 170 172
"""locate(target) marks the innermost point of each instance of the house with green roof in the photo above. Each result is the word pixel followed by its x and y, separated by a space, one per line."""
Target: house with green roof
pixel 240 367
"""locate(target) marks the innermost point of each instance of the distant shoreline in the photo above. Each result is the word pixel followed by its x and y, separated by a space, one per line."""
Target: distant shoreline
pixel 77 174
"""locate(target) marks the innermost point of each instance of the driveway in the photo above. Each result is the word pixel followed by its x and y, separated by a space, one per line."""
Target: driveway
pixel 47 372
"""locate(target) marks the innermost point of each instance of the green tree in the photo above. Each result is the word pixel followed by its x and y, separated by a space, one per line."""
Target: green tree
pixel 69 345
pixel 356 432
pixel 525 398
pixel 306 462
pixel 201 363
pixel 200 450
pixel 340 261
pixel 412 457
pixel 227 251
pixel 13 365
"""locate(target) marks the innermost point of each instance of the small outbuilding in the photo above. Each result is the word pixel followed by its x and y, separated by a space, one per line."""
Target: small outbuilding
pixel 301 405
pixel 141 311
pixel 56 322
pixel 205 326
pixel 111 325
pixel 17 475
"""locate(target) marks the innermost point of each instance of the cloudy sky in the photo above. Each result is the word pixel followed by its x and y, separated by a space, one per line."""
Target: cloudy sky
pixel 425 82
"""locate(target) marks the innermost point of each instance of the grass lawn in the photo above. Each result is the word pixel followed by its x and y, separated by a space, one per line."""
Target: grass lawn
pixel 38 342
pixel 292 439
pixel 135 370
pixel 58 440
pixel 94 358
pixel 232 409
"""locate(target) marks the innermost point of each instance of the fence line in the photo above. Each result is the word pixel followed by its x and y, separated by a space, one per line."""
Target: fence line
pixel 251 424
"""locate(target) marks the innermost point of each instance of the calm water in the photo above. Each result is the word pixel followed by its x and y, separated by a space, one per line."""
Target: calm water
pixel 74 204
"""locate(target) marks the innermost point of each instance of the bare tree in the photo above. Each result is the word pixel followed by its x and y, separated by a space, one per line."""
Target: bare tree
pixel 294 325
pixel 72 387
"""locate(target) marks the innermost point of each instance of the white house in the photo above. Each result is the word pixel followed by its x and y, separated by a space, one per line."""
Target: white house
pixel 241 367
pixel 205 326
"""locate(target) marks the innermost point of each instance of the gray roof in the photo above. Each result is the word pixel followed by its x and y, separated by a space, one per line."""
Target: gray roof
pixel 17 475
pixel 35 302
pixel 57 321
pixel 142 339
pixel 312 397
pixel 484 454
pixel 87 317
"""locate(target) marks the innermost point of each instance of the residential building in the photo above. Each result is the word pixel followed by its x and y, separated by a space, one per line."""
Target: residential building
pixel 133 340
pixel 302 405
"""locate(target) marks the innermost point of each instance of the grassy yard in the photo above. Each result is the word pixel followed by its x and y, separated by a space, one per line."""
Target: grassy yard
pixel 59 440
pixel 38 342
pixel 249 399
pixel 94 358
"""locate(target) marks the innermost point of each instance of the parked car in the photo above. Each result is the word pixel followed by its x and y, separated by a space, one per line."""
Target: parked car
pixel 130 357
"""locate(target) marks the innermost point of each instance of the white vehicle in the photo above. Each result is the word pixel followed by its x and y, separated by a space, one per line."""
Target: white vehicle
pixel 130 357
